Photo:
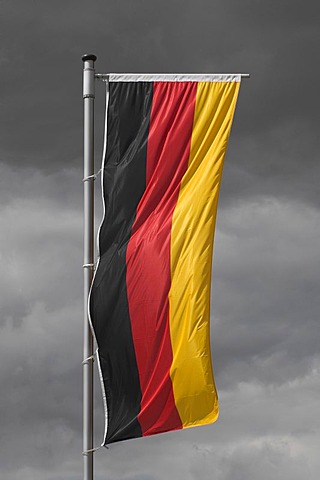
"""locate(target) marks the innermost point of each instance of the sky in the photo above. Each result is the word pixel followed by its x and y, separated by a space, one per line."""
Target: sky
pixel 264 304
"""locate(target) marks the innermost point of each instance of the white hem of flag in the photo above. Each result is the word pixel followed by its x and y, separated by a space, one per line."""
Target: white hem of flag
pixel 104 396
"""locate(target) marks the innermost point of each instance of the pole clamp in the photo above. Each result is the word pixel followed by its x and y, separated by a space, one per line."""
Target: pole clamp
pixel 92 450
pixel 89 265
pixel 92 177
pixel 87 361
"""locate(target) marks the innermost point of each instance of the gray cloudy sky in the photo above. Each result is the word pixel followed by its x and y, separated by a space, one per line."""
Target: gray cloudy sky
pixel 265 296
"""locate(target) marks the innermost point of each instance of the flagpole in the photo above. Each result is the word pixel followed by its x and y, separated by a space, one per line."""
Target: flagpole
pixel 88 264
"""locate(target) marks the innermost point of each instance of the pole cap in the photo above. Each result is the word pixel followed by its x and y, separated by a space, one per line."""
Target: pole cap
pixel 89 56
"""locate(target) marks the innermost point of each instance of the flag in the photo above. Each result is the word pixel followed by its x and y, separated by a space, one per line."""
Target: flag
pixel 149 304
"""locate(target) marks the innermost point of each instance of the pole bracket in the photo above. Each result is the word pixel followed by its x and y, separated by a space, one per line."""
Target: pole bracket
pixel 92 177
pixel 86 361
pixel 92 450
pixel 89 265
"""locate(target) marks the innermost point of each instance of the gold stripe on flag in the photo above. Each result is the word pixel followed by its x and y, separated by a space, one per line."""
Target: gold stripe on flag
pixel 191 255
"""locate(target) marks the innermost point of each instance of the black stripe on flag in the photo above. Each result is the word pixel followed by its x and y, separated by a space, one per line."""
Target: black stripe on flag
pixel 124 184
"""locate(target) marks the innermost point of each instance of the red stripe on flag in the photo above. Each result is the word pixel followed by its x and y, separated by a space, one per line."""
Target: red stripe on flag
pixel 148 252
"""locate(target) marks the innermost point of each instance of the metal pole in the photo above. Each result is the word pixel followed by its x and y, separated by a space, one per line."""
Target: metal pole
pixel 88 100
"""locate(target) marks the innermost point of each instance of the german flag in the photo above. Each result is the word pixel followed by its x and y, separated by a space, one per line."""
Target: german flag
pixel 149 305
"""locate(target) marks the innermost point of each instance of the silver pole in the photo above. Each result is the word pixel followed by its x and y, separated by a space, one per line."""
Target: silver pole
pixel 88 100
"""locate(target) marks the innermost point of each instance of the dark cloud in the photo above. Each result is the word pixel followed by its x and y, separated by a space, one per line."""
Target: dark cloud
pixel 277 45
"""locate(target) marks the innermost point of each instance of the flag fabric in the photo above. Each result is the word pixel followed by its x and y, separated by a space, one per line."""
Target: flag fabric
pixel 149 304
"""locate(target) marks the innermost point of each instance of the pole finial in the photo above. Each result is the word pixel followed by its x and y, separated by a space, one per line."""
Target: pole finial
pixel 89 56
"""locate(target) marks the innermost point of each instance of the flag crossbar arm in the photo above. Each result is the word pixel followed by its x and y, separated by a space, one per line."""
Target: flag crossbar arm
pixel 171 77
